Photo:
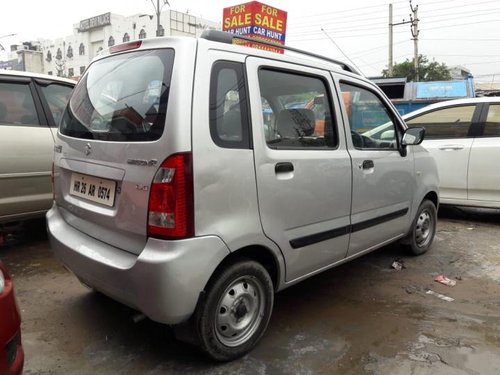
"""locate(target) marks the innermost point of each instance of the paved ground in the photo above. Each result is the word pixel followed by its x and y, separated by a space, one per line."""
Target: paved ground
pixel 360 318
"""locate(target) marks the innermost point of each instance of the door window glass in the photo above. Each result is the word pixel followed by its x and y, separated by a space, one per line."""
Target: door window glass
pixel 492 125
pixel 296 111
pixel 451 122
pixel 17 106
pixel 57 97
pixel 228 116
pixel 370 120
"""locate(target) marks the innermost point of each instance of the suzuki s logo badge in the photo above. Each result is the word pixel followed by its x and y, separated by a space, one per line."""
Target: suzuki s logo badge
pixel 88 149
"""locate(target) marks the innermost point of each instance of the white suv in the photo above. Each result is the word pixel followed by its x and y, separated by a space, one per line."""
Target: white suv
pixel 194 178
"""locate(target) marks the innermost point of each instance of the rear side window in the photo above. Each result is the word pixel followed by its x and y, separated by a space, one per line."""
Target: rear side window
pixel 17 106
pixel 57 97
pixel 492 125
pixel 228 107
pixel 296 111
pixel 121 98
pixel 451 122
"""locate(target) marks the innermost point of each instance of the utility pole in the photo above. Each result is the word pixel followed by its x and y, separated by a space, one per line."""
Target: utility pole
pixel 158 9
pixel 389 65
pixel 414 32
pixel 391 26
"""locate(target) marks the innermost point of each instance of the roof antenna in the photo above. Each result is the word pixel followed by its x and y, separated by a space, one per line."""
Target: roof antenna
pixel 336 45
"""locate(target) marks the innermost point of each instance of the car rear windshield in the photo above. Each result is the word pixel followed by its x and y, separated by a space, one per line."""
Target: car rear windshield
pixel 121 98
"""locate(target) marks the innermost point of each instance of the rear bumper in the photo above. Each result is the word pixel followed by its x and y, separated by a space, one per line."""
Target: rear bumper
pixel 163 282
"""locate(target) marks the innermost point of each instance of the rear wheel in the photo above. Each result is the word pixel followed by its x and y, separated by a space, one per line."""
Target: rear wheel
pixel 423 229
pixel 235 313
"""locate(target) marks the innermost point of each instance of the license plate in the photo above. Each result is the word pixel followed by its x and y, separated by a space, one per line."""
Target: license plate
pixel 94 189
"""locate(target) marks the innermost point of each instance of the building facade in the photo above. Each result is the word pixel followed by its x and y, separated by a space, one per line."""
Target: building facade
pixel 70 56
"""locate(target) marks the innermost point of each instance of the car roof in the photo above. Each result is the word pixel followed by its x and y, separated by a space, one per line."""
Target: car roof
pixel 451 103
pixel 18 73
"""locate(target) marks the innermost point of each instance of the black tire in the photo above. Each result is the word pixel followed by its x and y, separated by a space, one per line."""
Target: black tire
pixel 423 229
pixel 234 314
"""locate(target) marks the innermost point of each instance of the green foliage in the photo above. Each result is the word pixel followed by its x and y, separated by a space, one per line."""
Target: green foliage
pixel 427 71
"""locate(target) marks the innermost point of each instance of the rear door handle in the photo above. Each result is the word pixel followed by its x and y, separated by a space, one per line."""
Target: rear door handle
pixel 283 167
pixel 367 164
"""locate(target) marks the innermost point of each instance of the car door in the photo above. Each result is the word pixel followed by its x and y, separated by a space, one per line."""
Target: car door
pixel 383 177
pixel 483 180
pixel 26 148
pixel 448 138
pixel 303 178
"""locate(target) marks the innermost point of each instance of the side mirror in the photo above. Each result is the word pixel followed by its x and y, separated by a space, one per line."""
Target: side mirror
pixel 413 136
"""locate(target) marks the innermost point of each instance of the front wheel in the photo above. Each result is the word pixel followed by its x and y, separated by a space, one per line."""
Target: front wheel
pixel 235 313
pixel 423 229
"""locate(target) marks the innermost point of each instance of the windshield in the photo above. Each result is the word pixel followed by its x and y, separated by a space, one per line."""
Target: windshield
pixel 121 98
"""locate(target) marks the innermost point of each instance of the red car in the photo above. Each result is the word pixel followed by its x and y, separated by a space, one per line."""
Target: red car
pixel 11 350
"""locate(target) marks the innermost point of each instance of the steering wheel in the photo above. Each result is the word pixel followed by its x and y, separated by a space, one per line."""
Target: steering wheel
pixel 357 139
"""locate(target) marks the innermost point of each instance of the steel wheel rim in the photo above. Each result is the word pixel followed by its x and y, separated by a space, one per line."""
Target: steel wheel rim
pixel 239 311
pixel 423 228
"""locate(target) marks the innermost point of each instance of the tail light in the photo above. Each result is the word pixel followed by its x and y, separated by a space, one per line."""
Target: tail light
pixel 170 211
pixel 126 46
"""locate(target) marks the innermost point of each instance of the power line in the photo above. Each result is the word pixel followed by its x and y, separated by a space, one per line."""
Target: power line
pixel 460 24
pixel 371 16
pixel 465 40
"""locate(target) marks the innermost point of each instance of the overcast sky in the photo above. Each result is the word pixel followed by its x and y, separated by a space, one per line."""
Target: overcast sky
pixel 456 32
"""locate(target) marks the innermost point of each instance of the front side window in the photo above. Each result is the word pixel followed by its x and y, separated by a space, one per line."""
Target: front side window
pixel 296 111
pixel 228 109
pixel 451 122
pixel 492 125
pixel 57 97
pixel 371 122
pixel 17 106
pixel 121 98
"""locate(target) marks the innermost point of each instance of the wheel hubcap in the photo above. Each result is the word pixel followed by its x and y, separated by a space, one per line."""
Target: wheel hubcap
pixel 423 229
pixel 239 311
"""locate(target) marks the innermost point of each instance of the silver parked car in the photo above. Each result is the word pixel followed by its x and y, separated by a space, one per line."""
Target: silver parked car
pixel 31 106
pixel 194 178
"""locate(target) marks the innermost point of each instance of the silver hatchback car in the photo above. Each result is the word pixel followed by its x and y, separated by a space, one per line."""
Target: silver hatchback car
pixel 194 178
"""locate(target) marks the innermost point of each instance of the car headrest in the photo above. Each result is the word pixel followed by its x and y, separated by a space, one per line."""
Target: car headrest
pixel 295 123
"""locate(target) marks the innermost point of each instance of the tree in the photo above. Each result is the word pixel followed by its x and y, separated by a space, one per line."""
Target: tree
pixel 428 71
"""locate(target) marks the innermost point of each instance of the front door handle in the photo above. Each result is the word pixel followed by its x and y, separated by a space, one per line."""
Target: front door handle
pixel 451 147
pixel 283 167
pixel 367 164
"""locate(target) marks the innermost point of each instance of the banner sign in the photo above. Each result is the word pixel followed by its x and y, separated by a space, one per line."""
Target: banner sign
pixel 97 21
pixel 441 89
pixel 258 21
